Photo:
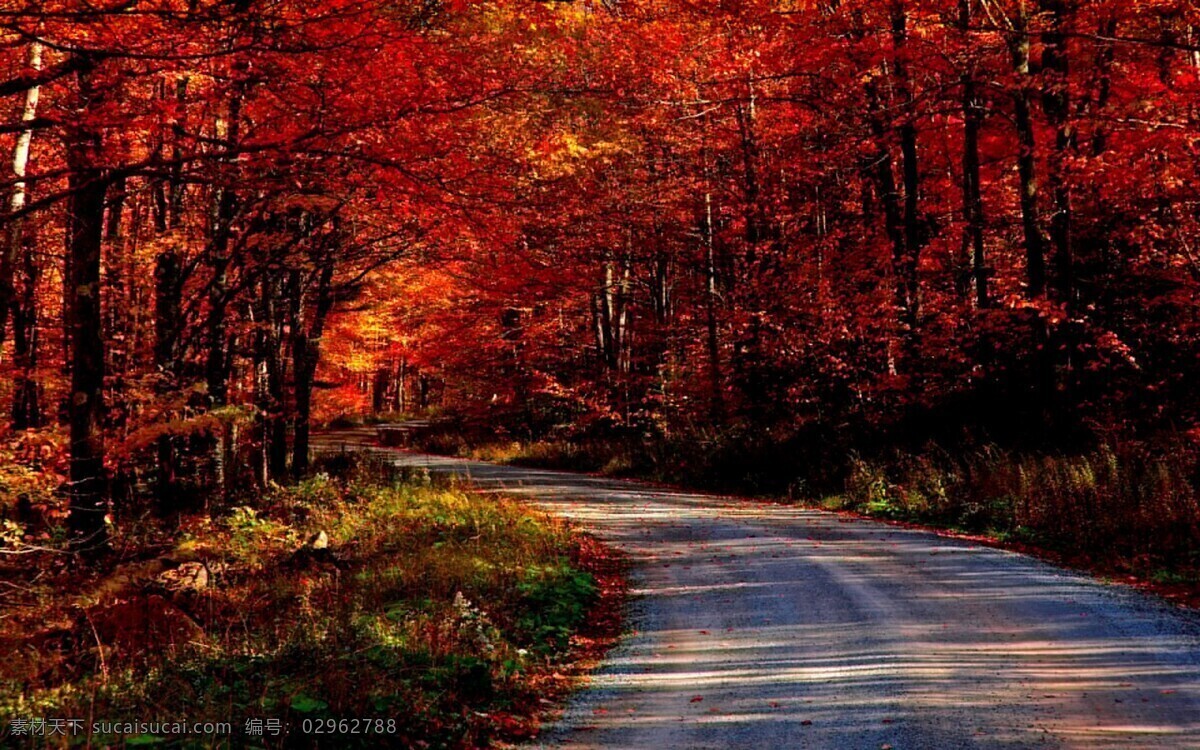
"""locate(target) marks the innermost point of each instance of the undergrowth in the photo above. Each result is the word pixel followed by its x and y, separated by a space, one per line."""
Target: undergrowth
pixel 449 613
pixel 1129 507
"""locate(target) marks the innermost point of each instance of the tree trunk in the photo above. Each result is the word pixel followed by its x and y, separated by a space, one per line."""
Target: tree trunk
pixel 423 387
pixel 755 217
pixel 269 387
pixel 257 315
pixel 401 394
pixel 118 196
pixel 117 307
pixel 1056 102
pixel 168 305
pixel 907 267
pixel 1104 87
pixel 175 198
pixel 217 256
pixel 27 392
pixel 306 355
pixel 88 185
pixel 168 314
pixel 168 300
pixel 216 366
pixel 716 392
pixel 611 316
pixel 277 423
pixel 889 195
pixel 973 215
pixel 14 237
pixel 380 389
pixel 1035 251
pixel 275 427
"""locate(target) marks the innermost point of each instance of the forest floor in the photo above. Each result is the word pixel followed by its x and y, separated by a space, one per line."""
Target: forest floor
pixel 369 606
pixel 762 625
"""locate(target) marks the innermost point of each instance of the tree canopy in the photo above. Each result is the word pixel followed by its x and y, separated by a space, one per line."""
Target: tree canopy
pixel 225 219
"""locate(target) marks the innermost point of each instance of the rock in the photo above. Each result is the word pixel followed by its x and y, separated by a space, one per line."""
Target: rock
pixel 127 579
pixel 316 552
pixel 189 576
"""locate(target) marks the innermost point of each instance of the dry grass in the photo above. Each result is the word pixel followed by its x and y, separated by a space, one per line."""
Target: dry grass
pixel 449 612
pixel 1135 508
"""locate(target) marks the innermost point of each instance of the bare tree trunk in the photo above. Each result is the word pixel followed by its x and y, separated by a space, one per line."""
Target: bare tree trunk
pixel 752 191
pixel 1056 102
pixel 88 185
pixel 175 197
pixel 423 388
pixel 889 193
pixel 625 310
pixel 1104 86
pixel 217 252
pixel 716 379
pixel 380 389
pixel 216 366
pixel 118 196
pixel 18 195
pixel 1035 251
pixel 909 285
pixel 270 390
pixel 611 315
pixel 276 389
pixel 257 313
pixel 401 396
pixel 168 303
pixel 27 392
pixel 306 355
pixel 117 307
pixel 168 314
pixel 973 214
pixel 661 270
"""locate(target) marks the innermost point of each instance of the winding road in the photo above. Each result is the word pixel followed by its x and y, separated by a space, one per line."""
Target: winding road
pixel 758 626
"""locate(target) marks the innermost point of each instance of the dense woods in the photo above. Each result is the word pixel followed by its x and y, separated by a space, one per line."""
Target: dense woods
pixel 913 219
pixel 861 222
pixel 195 188
pixel 934 261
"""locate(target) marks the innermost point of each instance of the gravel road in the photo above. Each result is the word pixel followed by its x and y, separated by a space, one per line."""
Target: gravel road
pixel 758 626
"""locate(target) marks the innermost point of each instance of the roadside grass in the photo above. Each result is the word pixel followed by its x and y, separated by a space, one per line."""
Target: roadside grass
pixel 453 617
pixel 1129 510
pixel 1125 509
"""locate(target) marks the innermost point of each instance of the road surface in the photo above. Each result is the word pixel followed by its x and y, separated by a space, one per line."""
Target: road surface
pixel 760 627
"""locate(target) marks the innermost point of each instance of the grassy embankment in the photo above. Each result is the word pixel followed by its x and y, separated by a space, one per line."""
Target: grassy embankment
pixel 1130 511
pixel 459 617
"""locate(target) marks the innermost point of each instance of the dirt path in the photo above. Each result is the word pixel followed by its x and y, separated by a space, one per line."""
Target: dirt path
pixel 764 627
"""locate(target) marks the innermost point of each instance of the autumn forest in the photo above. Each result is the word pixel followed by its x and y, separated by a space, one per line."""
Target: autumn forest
pixel 930 261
